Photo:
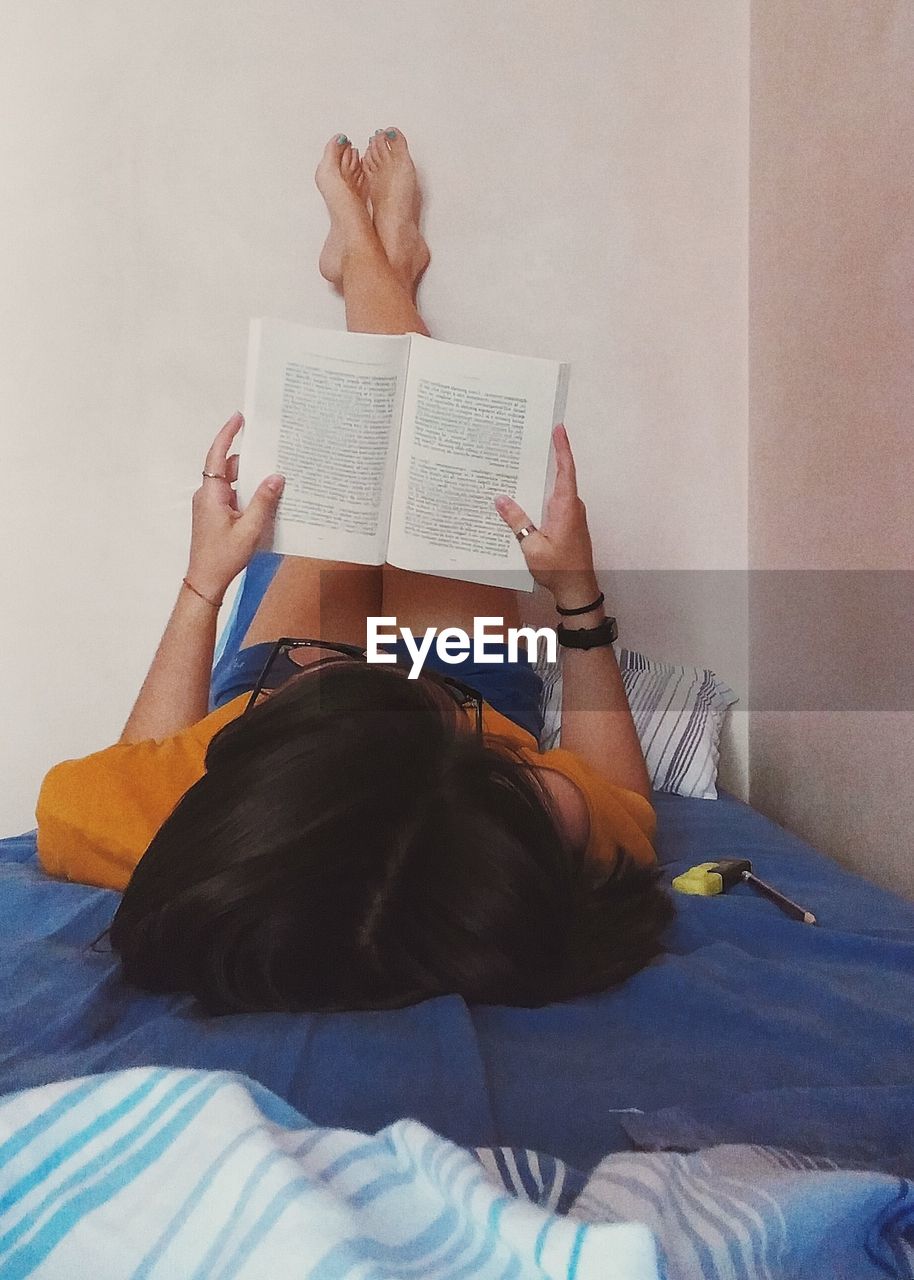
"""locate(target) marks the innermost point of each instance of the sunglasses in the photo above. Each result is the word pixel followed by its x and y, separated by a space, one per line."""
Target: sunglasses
pixel 281 667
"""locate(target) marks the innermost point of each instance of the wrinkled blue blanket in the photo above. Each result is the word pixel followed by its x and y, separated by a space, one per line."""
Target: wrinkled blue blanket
pixel 159 1174
pixel 752 1028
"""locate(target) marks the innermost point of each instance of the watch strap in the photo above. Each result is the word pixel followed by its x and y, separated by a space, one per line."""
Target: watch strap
pixel 588 637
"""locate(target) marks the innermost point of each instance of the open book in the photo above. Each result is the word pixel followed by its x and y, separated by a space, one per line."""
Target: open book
pixel 394 446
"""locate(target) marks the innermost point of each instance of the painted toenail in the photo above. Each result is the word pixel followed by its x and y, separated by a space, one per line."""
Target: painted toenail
pixel 342 138
pixel 391 133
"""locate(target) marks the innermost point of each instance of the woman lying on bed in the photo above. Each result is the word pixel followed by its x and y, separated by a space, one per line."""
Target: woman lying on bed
pixel 349 838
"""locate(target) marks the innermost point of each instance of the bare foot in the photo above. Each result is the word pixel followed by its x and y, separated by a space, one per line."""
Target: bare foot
pixel 396 204
pixel 343 185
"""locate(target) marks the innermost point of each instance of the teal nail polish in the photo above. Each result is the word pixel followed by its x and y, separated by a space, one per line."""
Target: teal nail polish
pixel 391 133
pixel 342 138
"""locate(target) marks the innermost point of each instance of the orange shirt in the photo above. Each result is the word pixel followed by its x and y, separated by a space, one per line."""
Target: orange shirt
pixel 96 816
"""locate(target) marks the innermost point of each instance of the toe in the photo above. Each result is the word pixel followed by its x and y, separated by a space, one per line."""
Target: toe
pixel 335 148
pixel 395 139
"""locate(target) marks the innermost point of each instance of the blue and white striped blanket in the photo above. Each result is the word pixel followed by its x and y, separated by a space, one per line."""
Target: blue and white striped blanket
pixel 154 1172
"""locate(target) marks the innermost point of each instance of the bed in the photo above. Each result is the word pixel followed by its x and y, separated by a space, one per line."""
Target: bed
pixel 781 1054
pixel 752 1027
pixel 743 1106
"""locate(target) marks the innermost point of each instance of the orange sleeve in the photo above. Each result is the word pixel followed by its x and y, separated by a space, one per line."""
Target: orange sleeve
pixel 96 816
pixel 618 817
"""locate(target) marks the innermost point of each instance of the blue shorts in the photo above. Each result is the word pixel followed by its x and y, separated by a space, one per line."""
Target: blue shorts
pixel 513 688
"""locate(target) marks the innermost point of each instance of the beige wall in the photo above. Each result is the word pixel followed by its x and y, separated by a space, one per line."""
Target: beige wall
pixel 831 437
pixel 585 167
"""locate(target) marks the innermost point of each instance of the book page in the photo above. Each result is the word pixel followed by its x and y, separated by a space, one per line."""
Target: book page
pixel 323 408
pixel 475 424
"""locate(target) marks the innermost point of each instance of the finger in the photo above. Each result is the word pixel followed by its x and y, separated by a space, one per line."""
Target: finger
pixel 566 478
pixel 261 510
pixel 514 516
pixel 218 450
pixel 231 468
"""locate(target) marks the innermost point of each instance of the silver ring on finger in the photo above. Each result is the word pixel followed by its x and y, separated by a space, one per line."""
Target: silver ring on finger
pixel 525 532
pixel 214 475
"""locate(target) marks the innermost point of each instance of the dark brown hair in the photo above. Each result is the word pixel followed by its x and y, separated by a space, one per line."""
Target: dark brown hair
pixel 348 849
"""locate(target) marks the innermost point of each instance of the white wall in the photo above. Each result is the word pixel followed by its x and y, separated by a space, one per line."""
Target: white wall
pixel 585 170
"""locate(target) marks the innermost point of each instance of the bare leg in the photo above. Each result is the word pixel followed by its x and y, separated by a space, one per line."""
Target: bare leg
pixel 387 177
pixel 378 300
pixel 332 598
pixel 330 262
pixel 416 600
pixel 309 598
pixel 396 205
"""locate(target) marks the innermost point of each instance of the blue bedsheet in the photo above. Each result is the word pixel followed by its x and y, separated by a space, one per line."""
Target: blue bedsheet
pixel 714 1041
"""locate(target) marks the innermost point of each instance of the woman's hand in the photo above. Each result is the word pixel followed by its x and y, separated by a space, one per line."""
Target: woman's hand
pixel 559 555
pixel 224 539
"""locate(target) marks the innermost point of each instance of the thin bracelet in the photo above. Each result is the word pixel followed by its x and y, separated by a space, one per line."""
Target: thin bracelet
pixel 573 613
pixel 216 604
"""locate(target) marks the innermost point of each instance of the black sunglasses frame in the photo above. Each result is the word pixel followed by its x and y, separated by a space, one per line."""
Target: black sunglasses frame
pixel 285 643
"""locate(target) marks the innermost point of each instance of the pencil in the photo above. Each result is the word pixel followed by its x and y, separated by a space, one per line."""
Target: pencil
pixel 792 909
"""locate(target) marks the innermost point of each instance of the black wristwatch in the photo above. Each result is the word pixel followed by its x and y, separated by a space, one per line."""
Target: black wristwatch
pixel 588 637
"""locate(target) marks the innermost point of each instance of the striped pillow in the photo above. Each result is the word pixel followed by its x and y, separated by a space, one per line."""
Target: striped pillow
pixel 678 712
